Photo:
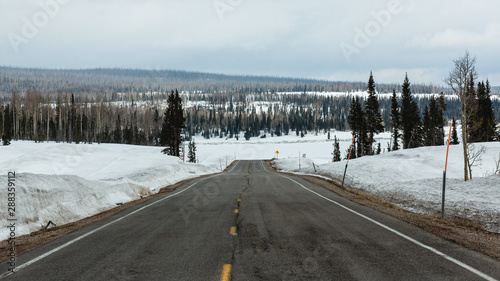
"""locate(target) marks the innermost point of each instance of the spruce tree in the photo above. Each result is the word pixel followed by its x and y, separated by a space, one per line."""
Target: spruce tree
pixel 485 116
pixel 7 127
pixel 192 152
pixel 336 150
pixel 173 125
pixel 374 121
pixel 2 111
pixel 454 135
pixel 428 128
pixel 117 133
pixel 472 111
pixel 358 126
pixel 439 119
pixel 395 120
pixel 410 118
pixel 433 123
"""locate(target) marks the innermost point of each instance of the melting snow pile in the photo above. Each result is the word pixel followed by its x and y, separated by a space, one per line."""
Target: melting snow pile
pixel 66 182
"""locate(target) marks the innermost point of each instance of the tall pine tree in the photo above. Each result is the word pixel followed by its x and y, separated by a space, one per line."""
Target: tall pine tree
pixel 429 134
pixel 173 125
pixel 434 122
pixel 454 135
pixel 1 120
pixel 192 152
pixel 7 127
pixel 410 118
pixel 485 117
pixel 358 127
pixel 374 121
pixel 395 121
pixel 472 112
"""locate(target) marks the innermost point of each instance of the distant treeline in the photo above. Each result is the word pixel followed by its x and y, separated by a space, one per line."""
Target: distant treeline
pixel 105 80
pixel 137 119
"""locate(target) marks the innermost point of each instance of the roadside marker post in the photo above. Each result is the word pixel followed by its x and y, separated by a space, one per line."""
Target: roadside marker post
pixel 348 157
pixel 444 172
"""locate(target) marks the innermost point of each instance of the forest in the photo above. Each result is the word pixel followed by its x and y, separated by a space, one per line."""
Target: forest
pixel 120 106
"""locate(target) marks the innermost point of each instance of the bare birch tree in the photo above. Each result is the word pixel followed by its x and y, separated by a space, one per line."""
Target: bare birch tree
pixel 459 80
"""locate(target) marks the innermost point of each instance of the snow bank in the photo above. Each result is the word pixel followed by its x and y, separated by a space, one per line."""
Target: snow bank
pixel 67 182
pixel 413 178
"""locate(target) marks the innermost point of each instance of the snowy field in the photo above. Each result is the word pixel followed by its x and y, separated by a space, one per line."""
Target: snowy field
pixel 413 180
pixel 67 182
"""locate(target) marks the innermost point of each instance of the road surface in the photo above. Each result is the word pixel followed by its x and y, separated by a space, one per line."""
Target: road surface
pixel 252 224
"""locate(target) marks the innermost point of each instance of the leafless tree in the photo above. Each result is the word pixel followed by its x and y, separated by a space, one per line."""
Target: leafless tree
pixel 459 80
pixel 474 155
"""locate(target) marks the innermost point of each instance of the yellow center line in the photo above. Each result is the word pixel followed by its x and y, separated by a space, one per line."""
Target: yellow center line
pixel 226 272
pixel 236 211
pixel 233 230
pixel 239 200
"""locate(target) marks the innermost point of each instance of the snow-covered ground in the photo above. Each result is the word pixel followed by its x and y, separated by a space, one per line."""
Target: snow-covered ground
pixel 413 180
pixel 67 182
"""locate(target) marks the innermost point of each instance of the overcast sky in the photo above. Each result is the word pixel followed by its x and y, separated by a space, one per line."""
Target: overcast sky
pixel 336 40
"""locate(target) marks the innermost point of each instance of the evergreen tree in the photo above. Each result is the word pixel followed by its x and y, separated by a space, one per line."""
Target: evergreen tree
pixel 472 111
pixel 374 121
pixel 410 118
pixel 428 130
pixel 395 121
pixel 1 120
pixel 192 152
pixel 358 126
pixel 440 120
pixel 173 125
pixel 485 116
pixel 336 150
pixel 434 122
pixel 247 134
pixel 117 133
pixel 7 127
pixel 454 135
pixel 128 136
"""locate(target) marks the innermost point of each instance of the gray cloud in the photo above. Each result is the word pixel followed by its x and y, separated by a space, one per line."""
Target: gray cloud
pixel 281 38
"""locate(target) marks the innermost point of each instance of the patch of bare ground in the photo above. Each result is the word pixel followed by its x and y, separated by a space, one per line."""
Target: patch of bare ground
pixel 26 243
pixel 459 230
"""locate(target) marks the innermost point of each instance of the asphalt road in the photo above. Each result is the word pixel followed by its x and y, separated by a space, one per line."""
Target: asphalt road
pixel 252 224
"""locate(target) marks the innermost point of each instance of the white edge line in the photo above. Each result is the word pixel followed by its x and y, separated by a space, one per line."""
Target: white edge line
pixel 234 167
pixel 263 166
pixel 461 264
pixel 26 264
